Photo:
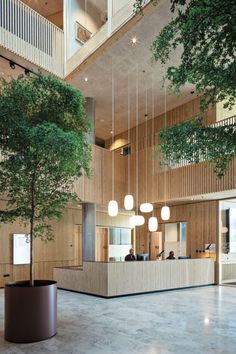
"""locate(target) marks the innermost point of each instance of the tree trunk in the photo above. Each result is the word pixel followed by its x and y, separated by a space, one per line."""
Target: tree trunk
pixel 32 251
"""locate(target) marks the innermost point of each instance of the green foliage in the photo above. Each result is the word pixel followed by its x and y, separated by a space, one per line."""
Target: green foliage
pixel 138 6
pixel 205 32
pixel 43 144
pixel 193 142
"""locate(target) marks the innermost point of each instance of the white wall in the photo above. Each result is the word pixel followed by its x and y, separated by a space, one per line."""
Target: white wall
pixel 171 232
pixel 74 10
pixel 118 4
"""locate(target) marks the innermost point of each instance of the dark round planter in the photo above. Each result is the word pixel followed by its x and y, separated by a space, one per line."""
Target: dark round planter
pixel 30 312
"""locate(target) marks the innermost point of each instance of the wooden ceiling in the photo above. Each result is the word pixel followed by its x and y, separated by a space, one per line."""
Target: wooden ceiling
pixel 45 7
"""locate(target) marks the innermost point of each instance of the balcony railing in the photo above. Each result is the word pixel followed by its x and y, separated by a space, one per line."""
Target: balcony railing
pixel 28 34
pixel 223 122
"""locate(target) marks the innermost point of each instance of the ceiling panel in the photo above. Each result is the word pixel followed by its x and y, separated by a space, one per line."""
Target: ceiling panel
pixel 45 7
pixel 135 62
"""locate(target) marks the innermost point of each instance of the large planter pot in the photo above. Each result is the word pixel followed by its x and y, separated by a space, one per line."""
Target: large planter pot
pixel 30 312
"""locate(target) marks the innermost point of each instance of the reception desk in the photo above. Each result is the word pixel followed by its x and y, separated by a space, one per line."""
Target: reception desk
pixel 109 279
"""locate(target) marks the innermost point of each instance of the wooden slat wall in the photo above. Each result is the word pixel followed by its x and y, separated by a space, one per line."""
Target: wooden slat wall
pixel 177 115
pixel 186 181
pixel 98 188
pixel 65 250
pixel 202 226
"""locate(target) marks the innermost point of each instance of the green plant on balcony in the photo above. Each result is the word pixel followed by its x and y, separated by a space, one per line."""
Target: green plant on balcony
pixel 193 142
pixel 43 149
pixel 204 31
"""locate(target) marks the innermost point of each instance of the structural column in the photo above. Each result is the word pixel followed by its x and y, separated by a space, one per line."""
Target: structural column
pixel 90 112
pixel 89 231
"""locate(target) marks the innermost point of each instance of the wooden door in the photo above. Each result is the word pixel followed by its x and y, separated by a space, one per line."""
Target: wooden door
pixel 102 244
pixel 78 246
pixel 155 244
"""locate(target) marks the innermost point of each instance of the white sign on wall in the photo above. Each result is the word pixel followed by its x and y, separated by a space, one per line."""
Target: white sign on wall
pixel 21 248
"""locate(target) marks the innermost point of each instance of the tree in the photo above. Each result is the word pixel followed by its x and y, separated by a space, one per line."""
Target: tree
pixel 43 146
pixel 205 31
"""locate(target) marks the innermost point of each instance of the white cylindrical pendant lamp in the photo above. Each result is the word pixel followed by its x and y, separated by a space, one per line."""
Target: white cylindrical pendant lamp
pixel 146 208
pixel 129 202
pixel 152 224
pixel 165 213
pixel 113 208
pixel 137 220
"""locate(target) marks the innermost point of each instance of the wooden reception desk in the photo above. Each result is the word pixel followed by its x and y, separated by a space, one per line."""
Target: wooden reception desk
pixel 124 278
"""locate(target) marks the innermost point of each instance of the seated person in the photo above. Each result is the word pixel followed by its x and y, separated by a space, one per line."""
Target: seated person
pixel 171 255
pixel 130 256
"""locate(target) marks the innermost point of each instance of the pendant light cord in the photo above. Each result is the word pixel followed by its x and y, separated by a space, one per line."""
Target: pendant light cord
pixel 137 92
pixel 146 133
pixel 153 159
pixel 113 129
pixel 129 145
pixel 165 125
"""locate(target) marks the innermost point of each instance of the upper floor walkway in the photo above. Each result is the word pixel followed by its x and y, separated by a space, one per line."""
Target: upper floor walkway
pixel 85 27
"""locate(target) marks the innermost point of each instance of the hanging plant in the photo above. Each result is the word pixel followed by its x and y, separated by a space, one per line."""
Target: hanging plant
pixel 193 142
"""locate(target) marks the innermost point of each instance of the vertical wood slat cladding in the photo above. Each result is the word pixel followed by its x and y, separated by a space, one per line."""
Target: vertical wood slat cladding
pixel 98 188
pixel 184 112
pixel 65 250
pixel 181 182
pixel 202 226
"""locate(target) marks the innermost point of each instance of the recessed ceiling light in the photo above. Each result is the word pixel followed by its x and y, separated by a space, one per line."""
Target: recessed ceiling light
pixel 111 131
pixel 134 40
pixel 85 79
pixel 101 120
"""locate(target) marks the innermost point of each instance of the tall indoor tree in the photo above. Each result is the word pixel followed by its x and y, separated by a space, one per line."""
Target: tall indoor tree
pixel 43 146
pixel 205 32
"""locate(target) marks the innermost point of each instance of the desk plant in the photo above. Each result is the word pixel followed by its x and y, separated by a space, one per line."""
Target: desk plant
pixel 43 149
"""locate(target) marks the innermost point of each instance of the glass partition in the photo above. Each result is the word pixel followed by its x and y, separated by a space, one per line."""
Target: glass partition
pixel 175 239
pixel 227 224
pixel 113 243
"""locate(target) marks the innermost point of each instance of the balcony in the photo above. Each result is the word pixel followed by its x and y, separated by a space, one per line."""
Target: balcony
pixel 26 33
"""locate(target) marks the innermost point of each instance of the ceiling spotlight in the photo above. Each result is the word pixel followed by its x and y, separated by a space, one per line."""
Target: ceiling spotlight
pixel 102 120
pixel 85 79
pixel 134 40
pixel 111 131
pixel 27 72
pixel 12 65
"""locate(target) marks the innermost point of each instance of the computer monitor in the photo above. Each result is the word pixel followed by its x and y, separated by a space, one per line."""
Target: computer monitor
pixel 183 257
pixel 142 256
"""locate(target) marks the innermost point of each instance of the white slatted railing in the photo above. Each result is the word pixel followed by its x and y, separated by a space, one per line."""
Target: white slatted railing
pixel 31 36
pixel 226 121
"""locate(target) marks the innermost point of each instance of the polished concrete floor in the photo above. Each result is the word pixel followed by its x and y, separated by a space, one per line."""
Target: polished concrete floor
pixel 191 321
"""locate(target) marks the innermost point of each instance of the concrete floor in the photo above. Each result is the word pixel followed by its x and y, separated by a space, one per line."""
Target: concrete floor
pixel 191 321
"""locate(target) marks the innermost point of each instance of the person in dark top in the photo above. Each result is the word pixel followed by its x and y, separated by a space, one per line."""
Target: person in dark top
pixel 130 256
pixel 171 255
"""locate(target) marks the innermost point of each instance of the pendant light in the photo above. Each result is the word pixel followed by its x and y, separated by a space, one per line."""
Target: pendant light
pixel 152 224
pixel 113 205
pixel 165 210
pixel 129 199
pixel 153 221
pixel 146 207
pixel 137 220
